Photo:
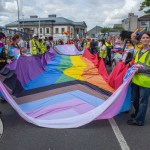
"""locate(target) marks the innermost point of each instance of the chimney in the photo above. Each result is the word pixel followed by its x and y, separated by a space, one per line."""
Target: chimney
pixel 53 15
pixel 33 17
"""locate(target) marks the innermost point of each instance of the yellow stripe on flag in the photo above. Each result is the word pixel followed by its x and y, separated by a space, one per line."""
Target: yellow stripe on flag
pixel 77 69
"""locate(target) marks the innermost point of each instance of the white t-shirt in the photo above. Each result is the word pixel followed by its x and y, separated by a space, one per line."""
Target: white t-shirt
pixel 47 43
pixel 103 47
pixel 21 43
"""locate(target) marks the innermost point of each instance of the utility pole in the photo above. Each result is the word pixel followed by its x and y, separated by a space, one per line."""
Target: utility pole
pixel 23 22
pixel 39 27
pixel 18 15
pixel 96 29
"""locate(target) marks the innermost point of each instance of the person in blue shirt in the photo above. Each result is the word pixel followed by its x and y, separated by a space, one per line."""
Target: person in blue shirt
pixel 14 50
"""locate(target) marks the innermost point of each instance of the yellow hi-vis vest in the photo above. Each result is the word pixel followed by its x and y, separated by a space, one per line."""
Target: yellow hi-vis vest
pixel 103 53
pixel 42 47
pixel 137 47
pixel 88 45
pixel 142 79
pixel 108 44
pixel 34 47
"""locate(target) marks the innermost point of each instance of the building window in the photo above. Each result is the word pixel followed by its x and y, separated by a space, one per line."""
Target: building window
pixel 144 23
pixel 34 30
pixel 41 30
pixel 62 30
pixel 47 30
pixel 68 27
pixel 71 30
pixel 56 30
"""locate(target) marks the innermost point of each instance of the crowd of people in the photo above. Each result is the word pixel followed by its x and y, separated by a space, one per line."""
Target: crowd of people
pixel 112 50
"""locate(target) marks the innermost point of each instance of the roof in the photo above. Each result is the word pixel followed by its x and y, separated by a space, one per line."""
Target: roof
pixel 49 20
pixel 95 29
pixel 144 18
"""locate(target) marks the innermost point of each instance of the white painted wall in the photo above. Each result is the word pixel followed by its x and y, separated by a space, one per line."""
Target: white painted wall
pixel 59 28
pixel 13 28
pixel 144 24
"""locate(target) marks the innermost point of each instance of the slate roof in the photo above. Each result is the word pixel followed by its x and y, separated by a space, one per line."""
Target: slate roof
pixel 49 20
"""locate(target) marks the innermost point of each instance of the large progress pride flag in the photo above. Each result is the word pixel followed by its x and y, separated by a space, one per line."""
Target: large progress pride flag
pixel 59 91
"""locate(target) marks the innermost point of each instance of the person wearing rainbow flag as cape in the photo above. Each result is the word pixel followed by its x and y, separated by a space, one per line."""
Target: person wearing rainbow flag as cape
pixel 14 50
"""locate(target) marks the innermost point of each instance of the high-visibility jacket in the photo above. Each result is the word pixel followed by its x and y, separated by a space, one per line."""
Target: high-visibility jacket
pixel 88 45
pixel 108 44
pixel 142 79
pixel 42 47
pixel 33 47
pixel 103 52
pixel 137 47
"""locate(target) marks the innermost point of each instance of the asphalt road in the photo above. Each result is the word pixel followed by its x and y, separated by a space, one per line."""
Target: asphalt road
pixel 98 135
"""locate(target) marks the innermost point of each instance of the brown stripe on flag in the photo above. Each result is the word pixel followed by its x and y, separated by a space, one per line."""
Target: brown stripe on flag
pixel 61 90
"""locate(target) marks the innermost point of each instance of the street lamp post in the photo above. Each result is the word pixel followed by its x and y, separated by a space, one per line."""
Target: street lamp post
pixel 96 32
pixel 23 22
pixel 39 27
pixel 18 15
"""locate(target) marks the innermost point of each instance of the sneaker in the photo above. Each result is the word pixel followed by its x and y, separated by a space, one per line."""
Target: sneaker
pixel 133 122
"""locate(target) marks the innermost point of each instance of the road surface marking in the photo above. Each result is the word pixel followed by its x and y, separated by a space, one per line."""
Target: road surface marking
pixel 1 128
pixel 119 136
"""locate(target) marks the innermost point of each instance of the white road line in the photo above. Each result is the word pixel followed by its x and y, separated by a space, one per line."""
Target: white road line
pixel 1 128
pixel 119 136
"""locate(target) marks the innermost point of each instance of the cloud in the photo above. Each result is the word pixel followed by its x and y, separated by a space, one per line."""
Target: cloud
pixel 3 19
pixel 93 12
pixel 8 7
pixel 121 13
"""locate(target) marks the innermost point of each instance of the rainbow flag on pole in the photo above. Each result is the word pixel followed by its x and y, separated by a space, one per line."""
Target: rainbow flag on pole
pixel 142 30
pixel 136 31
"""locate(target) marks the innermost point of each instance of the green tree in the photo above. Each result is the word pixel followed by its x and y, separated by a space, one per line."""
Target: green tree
pixel 105 29
pixel 118 28
pixel 145 4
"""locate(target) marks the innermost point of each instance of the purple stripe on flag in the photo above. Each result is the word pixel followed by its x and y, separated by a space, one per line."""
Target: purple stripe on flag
pixel 28 67
pixel 68 49
pixel 76 104
pixel 13 65
pixel 48 56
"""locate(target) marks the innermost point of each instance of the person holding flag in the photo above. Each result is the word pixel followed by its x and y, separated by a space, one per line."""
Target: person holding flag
pixel 141 83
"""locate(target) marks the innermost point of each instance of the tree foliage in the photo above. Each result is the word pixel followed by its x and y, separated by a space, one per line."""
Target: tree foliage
pixel 118 28
pixel 105 29
pixel 145 4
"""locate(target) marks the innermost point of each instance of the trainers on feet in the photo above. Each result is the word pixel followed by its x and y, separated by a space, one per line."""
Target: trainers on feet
pixel 134 122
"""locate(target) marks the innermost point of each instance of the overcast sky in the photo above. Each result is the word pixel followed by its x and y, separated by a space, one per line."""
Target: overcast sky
pixel 93 12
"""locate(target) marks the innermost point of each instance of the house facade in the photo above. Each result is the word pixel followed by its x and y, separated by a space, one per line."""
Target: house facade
pixel 51 26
